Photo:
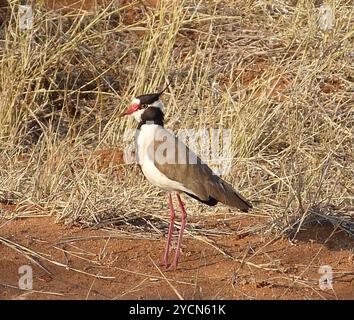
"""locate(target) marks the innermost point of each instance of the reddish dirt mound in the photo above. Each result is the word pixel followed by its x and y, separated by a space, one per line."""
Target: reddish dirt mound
pixel 69 263
pixel 105 159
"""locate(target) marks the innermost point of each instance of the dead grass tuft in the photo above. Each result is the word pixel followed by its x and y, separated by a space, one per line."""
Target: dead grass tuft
pixel 266 71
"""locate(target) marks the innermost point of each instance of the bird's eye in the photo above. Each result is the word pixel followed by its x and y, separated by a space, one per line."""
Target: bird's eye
pixel 143 106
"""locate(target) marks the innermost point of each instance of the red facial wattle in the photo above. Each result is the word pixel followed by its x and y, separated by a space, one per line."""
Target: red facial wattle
pixel 134 107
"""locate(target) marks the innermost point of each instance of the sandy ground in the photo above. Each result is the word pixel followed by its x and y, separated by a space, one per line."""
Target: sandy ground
pixel 71 263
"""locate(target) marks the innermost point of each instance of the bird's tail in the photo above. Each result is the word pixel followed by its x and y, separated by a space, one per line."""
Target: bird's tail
pixel 226 194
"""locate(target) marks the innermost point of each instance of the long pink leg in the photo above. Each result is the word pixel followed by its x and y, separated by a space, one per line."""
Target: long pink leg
pixel 179 242
pixel 170 230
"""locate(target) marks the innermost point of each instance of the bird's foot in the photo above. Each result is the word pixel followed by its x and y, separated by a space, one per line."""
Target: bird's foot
pixel 173 266
pixel 169 267
pixel 164 263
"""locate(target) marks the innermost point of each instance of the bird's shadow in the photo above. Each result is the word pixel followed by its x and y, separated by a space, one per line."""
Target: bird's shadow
pixel 145 223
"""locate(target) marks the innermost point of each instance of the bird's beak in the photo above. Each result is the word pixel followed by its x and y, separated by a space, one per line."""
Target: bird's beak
pixel 130 110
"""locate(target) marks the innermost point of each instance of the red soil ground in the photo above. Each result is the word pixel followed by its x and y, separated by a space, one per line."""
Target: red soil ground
pixel 203 273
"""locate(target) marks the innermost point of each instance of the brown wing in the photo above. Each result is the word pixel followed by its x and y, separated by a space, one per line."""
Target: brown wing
pixel 176 161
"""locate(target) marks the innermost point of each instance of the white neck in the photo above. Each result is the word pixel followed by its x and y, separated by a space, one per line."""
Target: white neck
pixel 158 104
pixel 137 114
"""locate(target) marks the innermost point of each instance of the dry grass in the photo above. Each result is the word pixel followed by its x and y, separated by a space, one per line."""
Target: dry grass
pixel 263 69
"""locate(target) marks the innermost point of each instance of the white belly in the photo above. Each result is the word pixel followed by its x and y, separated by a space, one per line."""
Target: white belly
pixel 158 179
pixel 145 137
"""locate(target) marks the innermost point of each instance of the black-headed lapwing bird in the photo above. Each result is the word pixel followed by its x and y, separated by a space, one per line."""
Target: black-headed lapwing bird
pixel 169 164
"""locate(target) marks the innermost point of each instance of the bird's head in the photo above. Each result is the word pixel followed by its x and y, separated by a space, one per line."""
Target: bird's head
pixel 143 102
